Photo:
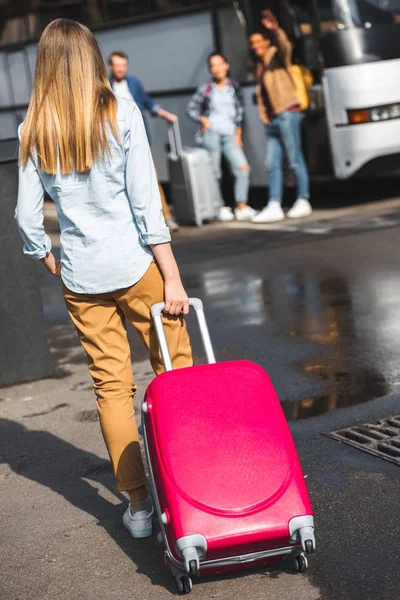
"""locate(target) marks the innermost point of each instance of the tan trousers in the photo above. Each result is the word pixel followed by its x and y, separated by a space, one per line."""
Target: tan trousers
pixel 100 321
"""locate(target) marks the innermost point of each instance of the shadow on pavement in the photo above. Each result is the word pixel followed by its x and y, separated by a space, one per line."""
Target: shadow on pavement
pixel 62 467
pixel 65 349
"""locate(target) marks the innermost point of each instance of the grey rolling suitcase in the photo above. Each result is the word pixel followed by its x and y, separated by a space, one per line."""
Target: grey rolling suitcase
pixel 194 189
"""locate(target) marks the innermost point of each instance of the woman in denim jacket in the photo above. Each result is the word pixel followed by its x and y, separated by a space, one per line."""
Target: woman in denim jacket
pixel 218 106
pixel 89 151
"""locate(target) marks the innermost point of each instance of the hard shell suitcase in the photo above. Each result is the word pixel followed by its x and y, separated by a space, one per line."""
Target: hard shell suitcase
pixel 227 483
pixel 194 189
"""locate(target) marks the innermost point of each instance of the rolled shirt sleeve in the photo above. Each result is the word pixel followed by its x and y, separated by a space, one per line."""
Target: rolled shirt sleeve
pixel 29 211
pixel 142 185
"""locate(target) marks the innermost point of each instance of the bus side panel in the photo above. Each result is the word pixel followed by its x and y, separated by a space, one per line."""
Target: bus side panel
pixel 359 87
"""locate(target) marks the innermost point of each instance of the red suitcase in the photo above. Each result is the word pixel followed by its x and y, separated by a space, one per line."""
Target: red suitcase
pixel 227 483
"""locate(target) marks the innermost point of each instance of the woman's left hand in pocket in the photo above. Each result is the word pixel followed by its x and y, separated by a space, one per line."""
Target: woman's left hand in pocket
pixel 52 266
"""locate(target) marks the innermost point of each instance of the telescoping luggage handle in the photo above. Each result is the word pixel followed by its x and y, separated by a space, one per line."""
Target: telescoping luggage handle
pixel 175 140
pixel 196 303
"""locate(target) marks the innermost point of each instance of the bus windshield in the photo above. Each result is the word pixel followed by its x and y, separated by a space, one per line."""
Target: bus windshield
pixel 347 14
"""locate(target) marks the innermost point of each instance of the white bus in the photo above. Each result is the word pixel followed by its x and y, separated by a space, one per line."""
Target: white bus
pixel 357 43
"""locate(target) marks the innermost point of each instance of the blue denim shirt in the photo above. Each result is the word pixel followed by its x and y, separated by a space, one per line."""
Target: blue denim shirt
pixel 108 216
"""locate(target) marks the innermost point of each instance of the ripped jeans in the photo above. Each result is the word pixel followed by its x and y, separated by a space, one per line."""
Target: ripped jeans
pixel 218 144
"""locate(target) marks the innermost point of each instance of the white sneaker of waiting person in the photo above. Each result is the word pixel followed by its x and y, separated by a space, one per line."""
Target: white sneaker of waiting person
pixel 246 213
pixel 301 208
pixel 225 214
pixel 270 214
pixel 139 522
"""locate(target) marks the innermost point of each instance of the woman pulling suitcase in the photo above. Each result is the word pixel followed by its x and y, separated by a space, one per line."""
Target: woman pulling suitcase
pixel 88 150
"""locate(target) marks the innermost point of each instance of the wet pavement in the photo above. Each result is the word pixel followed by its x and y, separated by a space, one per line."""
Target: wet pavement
pixel 317 304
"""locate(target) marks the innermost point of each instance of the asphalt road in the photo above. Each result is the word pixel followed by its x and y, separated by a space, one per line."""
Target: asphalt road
pixel 317 304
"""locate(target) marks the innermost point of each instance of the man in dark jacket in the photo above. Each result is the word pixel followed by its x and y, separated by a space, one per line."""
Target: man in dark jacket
pixel 131 87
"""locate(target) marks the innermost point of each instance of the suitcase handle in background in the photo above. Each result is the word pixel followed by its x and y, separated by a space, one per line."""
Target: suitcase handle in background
pixel 175 140
pixel 196 303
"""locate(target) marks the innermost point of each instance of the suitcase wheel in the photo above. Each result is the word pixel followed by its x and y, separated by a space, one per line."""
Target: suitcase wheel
pixel 309 544
pixel 300 563
pixel 183 584
pixel 194 568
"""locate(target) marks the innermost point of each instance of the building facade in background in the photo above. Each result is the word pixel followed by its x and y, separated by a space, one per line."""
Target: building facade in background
pixel 24 20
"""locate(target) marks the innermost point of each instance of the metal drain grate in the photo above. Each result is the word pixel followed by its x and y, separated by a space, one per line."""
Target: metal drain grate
pixel 381 439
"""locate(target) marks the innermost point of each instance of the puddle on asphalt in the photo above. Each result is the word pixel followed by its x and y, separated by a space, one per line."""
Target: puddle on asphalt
pixel 339 397
pixel 356 324
pixel 359 365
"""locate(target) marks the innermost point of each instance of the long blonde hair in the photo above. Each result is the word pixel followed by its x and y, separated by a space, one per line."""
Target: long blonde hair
pixel 71 104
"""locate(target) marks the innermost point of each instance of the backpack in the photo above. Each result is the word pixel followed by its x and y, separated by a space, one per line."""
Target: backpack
pixel 301 79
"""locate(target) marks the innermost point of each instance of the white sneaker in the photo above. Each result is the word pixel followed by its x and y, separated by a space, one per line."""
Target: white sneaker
pixel 245 214
pixel 140 523
pixel 225 214
pixel 270 214
pixel 301 208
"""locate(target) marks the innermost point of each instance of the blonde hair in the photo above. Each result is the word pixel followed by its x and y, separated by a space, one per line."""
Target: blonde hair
pixel 71 104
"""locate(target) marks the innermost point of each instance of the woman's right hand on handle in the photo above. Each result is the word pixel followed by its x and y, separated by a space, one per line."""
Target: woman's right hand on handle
pixel 176 299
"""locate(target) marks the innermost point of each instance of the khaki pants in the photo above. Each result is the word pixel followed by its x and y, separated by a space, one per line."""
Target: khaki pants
pixel 100 321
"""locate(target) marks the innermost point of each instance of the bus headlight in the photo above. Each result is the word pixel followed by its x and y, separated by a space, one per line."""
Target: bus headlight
pixel 380 114
pixel 395 111
pixel 374 114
